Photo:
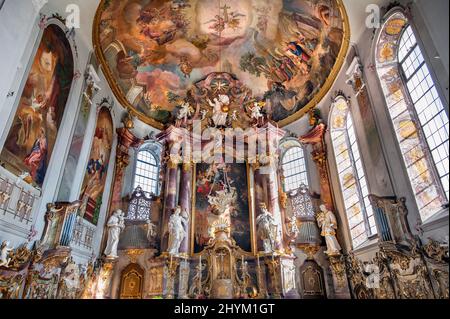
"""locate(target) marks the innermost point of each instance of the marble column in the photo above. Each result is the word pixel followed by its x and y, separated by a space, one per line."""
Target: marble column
pixel 172 138
pixel 315 138
pixel 185 201
pixel 126 140
pixel 268 158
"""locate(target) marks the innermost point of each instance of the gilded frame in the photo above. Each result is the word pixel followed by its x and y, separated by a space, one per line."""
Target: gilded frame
pixel 251 208
pixel 289 120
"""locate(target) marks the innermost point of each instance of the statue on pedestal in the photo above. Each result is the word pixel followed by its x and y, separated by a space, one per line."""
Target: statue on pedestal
pixel 177 223
pixel 327 222
pixel 115 226
pixel 267 229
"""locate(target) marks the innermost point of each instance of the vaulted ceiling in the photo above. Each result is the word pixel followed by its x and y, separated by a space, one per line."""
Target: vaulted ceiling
pixel 154 52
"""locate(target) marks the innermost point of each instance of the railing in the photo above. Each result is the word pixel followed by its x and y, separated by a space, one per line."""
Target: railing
pixel 83 234
pixel 17 198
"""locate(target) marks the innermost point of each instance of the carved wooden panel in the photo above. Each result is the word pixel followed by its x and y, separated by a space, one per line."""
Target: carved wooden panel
pixel 131 282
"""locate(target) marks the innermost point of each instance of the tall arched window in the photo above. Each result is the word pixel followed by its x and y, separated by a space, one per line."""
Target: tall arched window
pixel 351 174
pixel 146 174
pixel 294 168
pixel 417 113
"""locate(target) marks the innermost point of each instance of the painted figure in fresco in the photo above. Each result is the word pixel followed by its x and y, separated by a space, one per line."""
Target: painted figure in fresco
pixel 4 254
pixel 177 223
pixel 327 221
pixel 220 105
pixel 36 161
pixel 267 229
pixel 303 58
pixel 115 226
pixel 41 106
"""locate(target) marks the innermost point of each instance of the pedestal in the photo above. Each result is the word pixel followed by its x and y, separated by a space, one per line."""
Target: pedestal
pixel 103 290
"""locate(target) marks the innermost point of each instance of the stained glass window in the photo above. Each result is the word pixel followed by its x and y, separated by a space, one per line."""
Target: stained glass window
pixel 417 113
pixel 294 169
pixel 147 172
pixel 351 174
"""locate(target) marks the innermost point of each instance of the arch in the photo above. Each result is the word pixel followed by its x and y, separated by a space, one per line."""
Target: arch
pixel 29 145
pixel 417 112
pixel 293 165
pixel 351 174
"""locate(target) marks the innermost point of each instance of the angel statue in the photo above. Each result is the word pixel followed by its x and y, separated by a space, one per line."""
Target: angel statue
pixel 257 114
pixel 115 226
pixel 220 109
pixel 184 112
pixel 151 230
pixel 4 254
pixel 267 229
pixel 327 222
pixel 177 224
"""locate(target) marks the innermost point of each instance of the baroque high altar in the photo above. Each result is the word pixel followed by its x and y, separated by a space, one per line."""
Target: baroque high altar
pixel 219 221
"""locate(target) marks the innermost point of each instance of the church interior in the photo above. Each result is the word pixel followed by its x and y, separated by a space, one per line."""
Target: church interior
pixel 211 149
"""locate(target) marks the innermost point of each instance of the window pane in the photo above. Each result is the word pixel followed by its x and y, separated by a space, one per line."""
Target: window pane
pixel 351 175
pixel 146 173
pixel 294 169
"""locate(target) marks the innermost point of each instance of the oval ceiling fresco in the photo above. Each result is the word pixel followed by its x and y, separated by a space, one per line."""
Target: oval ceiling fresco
pixel 285 51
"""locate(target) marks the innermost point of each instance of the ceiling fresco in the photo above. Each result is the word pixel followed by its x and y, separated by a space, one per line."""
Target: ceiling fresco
pixel 286 51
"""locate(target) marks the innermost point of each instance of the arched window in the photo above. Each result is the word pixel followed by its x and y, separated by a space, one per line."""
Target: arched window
pixel 351 174
pixel 146 174
pixel 294 169
pixel 417 113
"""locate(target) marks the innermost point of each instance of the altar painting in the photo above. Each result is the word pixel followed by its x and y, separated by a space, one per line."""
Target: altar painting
pixel 221 196
pixel 97 167
pixel 31 139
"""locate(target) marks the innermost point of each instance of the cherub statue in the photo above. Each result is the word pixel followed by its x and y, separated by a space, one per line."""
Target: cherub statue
pixel 327 222
pixel 184 112
pixel 256 111
pixel 234 116
pixel 4 254
pixel 293 228
pixel 203 114
pixel 151 230
pixel 219 106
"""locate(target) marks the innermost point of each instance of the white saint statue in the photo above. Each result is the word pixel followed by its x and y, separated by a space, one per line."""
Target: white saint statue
pixel 328 223
pixel 177 223
pixel 115 226
pixel 267 229
pixel 4 254
pixel 219 116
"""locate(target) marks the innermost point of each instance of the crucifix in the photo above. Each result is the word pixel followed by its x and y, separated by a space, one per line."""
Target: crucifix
pixel 225 13
pixel 222 255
